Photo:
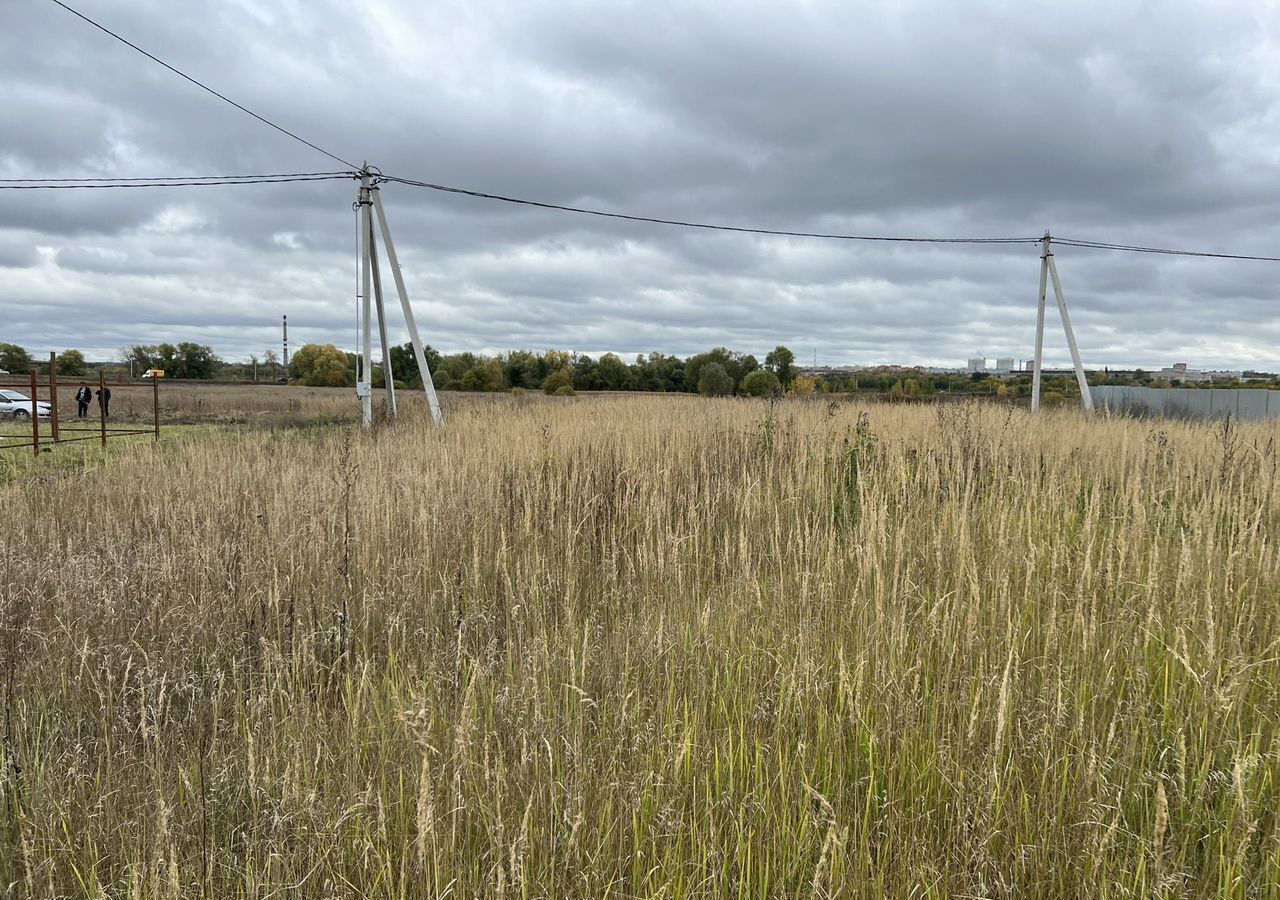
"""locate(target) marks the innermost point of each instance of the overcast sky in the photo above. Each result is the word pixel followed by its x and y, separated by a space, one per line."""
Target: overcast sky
pixel 1144 123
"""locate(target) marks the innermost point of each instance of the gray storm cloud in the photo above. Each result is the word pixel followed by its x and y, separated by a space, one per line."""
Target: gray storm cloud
pixel 1116 121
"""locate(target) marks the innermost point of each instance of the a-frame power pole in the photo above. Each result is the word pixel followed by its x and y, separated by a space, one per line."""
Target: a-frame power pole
pixel 368 204
pixel 1049 272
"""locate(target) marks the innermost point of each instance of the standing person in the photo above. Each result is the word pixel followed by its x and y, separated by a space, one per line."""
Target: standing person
pixel 104 398
pixel 83 396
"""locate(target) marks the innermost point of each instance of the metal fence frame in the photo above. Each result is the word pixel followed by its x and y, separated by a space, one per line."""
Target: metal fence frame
pixel 55 428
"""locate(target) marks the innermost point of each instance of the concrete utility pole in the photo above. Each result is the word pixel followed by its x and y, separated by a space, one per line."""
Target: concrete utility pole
pixel 368 203
pixel 1049 271
pixel 364 381
pixel 285 323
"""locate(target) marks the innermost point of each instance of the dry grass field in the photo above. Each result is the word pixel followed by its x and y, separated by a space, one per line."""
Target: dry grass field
pixel 644 647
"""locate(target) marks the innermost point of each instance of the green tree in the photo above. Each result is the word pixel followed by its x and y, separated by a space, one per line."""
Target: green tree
pixel 782 362
pixel 167 359
pixel 524 369
pixel 190 360
pixel 658 372
pixel 714 381
pixel 760 383
pixel 140 357
pixel 556 380
pixel 14 359
pixel 404 363
pixel 319 365
pixel 612 374
pixel 736 365
pixel 71 362
pixel 483 376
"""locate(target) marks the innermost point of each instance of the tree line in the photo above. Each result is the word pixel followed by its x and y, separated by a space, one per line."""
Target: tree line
pixel 716 372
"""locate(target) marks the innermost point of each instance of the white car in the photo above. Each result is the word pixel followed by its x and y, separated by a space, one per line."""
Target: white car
pixel 14 405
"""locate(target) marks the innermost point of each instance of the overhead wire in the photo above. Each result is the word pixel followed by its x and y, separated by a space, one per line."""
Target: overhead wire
pixel 1163 251
pixel 45 186
pixel 205 87
pixel 702 225
pixel 1063 242
pixel 104 178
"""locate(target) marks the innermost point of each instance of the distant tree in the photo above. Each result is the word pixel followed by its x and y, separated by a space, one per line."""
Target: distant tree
pixel 803 385
pixel 167 359
pixel 253 366
pixel 14 359
pixel 736 365
pixel 523 369
pixel 71 362
pixel 451 368
pixel 760 383
pixel 271 360
pixel 556 359
pixel 612 374
pixel 781 362
pixel 319 365
pixel 658 372
pixel 714 381
pixel 483 376
pixel 404 363
pixel 556 380
pixel 584 372
pixel 192 360
pixel 140 357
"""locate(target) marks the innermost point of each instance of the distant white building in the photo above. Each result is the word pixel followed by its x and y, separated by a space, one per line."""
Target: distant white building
pixel 1180 372
pixel 1004 364
pixel 977 364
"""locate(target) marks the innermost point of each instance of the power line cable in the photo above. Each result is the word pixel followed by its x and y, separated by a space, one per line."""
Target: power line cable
pixel 161 184
pixel 1064 242
pixel 703 225
pixel 159 178
pixel 1130 248
pixel 205 87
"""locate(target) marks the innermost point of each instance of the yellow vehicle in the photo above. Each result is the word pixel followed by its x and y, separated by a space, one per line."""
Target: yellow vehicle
pixel 153 373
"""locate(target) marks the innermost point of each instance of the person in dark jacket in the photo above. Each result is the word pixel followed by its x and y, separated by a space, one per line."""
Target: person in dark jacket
pixel 104 398
pixel 83 396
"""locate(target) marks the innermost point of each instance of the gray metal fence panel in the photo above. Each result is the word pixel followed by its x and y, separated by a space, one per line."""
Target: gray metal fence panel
pixel 1241 404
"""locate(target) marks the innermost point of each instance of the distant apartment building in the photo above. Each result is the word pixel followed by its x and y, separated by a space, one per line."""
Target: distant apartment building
pixel 1004 364
pixel 977 364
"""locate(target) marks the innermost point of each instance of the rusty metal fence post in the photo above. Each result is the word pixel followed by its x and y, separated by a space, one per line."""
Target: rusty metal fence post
pixel 35 416
pixel 102 405
pixel 53 395
pixel 155 403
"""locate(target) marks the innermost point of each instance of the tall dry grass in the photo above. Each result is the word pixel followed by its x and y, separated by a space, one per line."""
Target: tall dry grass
pixel 639 648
